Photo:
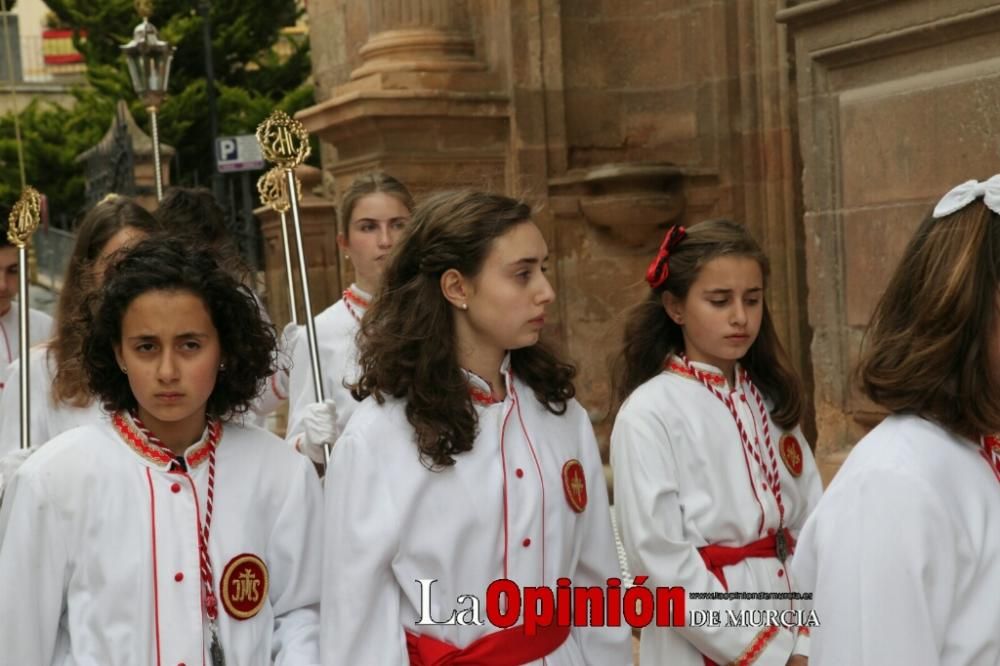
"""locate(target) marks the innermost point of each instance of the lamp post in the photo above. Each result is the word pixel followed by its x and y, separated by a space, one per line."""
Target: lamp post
pixel 149 59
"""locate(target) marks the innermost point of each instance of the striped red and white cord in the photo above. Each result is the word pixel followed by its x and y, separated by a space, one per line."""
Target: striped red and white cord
pixel 769 468
pixel 210 600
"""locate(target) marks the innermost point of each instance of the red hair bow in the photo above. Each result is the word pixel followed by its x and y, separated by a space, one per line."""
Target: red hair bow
pixel 659 268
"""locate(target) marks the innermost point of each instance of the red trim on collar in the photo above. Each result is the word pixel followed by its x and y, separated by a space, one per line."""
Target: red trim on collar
pixel 154 454
pixel 482 397
pixel 351 297
pixel 204 448
pixel 354 298
pixel 678 368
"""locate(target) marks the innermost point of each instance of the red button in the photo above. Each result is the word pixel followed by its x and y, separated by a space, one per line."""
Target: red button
pixel 770 531
pixel 178 576
pixel 519 472
pixel 781 573
pixel 176 487
pixel 526 543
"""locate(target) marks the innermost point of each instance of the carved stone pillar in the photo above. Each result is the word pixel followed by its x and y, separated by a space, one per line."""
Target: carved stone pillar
pixel 417 35
pixel 419 103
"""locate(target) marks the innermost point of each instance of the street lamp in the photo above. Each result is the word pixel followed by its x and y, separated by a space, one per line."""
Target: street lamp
pixel 149 60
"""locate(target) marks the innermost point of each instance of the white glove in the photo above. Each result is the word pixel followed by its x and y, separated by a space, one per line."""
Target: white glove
pixel 320 427
pixel 9 464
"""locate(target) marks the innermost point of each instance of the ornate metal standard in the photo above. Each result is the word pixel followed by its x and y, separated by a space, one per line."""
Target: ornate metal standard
pixel 285 142
pixel 149 60
pixel 273 191
pixel 24 219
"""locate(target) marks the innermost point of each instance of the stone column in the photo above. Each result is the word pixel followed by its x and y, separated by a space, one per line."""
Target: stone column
pixel 419 103
pixel 417 35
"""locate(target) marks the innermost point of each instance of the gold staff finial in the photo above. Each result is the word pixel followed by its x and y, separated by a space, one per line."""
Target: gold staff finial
pixel 25 217
pixel 283 140
pixel 273 190
pixel 144 8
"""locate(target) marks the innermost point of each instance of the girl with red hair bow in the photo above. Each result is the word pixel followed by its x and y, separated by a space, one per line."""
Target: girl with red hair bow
pixel 713 477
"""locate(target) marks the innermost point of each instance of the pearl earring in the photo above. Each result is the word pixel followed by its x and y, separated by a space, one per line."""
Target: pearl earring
pixel 465 306
pixel 124 370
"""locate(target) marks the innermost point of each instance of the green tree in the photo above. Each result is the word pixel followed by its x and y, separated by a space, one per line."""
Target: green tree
pixel 251 80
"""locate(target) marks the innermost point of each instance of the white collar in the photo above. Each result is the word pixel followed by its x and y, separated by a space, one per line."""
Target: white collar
pixel 479 385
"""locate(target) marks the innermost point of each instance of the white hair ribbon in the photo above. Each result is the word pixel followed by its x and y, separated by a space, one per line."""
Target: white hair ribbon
pixel 961 196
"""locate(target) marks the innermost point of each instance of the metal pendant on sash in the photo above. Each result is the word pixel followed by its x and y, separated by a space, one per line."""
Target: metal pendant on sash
pixel 781 545
pixel 215 650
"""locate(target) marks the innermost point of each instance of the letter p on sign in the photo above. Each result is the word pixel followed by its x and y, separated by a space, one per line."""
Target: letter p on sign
pixel 227 150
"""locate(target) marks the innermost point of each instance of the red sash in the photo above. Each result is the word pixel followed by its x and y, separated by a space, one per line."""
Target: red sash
pixel 717 557
pixel 507 647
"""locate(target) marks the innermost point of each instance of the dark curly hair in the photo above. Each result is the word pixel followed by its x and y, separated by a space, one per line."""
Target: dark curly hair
pixel 407 346
pixel 247 342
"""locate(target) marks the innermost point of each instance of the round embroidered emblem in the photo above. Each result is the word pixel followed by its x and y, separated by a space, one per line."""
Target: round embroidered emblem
pixel 243 587
pixel 575 485
pixel 791 454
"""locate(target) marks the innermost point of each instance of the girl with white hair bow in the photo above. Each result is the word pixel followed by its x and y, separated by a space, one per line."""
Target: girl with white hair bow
pixel 903 550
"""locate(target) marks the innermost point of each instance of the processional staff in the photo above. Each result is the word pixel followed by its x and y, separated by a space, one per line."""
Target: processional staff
pixel 285 142
pixel 24 218
pixel 273 189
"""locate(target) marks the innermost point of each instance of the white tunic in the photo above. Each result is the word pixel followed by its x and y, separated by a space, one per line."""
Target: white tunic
pixel 336 328
pixel 39 328
pixel 681 483
pixel 391 521
pixel 99 558
pixel 48 418
pixel 903 553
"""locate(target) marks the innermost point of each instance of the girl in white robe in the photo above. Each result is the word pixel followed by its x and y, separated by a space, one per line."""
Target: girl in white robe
pixel 374 211
pixel 713 477
pixel 170 533
pixel 60 399
pixel 903 552
pixel 468 460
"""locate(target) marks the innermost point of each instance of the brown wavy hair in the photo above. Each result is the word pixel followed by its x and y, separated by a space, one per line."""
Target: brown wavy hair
pixel 407 344
pixel 194 214
pixel 651 336
pixel 371 183
pixel 97 227
pixel 927 349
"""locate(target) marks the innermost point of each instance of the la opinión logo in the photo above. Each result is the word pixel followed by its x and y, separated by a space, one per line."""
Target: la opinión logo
pixel 638 606
pixel 566 605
